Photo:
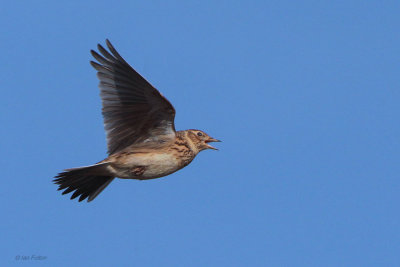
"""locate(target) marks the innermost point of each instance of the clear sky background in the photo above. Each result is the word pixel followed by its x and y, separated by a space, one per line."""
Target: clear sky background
pixel 304 94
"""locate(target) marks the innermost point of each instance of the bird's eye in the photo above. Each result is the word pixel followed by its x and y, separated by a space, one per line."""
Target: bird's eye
pixel 199 134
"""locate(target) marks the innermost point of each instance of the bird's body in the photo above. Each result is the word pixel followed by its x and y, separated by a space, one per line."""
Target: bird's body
pixel 152 160
pixel 141 136
pixel 145 165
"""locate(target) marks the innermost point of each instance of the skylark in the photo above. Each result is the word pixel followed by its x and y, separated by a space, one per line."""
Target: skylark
pixel 141 137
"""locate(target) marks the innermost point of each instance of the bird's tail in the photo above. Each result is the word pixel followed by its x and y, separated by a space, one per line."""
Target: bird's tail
pixel 87 182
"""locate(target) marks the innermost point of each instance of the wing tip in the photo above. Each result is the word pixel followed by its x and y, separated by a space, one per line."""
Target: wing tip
pixel 94 64
pixel 108 43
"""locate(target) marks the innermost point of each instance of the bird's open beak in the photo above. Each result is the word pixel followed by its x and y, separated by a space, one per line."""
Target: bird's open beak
pixel 212 140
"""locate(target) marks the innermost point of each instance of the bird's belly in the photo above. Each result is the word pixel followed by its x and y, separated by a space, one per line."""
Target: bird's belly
pixel 147 166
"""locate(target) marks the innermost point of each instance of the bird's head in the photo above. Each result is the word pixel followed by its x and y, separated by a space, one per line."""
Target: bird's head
pixel 200 139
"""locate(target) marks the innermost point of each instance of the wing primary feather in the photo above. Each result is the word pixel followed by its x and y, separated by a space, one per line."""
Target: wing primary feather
pixel 100 59
pixel 105 53
pixel 114 52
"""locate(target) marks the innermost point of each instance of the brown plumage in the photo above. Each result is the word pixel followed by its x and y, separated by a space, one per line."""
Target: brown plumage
pixel 141 137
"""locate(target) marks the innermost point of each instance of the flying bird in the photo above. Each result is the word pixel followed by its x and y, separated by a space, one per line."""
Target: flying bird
pixel 141 138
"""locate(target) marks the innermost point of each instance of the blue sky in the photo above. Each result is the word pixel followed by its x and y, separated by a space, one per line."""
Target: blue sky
pixel 304 94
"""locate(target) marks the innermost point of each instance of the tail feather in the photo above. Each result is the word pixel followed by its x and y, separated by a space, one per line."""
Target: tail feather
pixel 87 182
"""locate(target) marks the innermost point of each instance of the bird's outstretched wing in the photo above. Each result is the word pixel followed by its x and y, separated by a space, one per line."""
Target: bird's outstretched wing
pixel 133 110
